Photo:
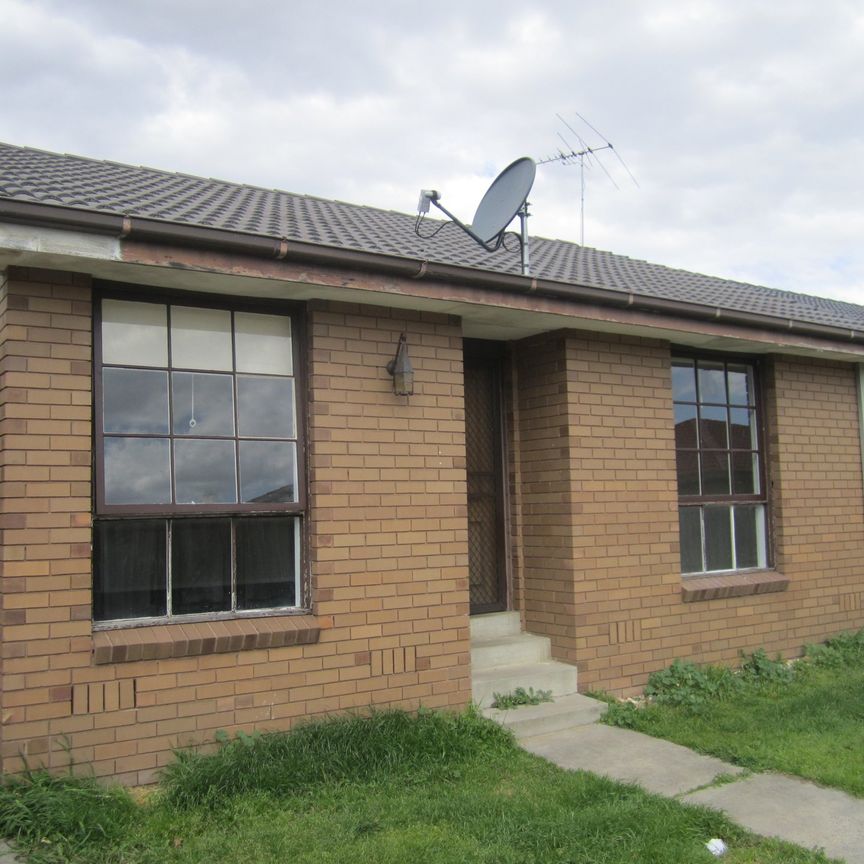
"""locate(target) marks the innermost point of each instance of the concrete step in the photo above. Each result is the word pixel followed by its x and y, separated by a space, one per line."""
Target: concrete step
pixel 559 678
pixel 520 649
pixel 495 625
pixel 566 712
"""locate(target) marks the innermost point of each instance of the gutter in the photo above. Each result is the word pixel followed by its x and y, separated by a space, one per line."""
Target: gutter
pixel 157 231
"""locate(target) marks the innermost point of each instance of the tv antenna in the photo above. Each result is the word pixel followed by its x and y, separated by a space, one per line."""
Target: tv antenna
pixel 572 156
pixel 504 200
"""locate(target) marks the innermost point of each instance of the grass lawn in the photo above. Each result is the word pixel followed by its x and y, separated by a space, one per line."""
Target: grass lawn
pixel 804 720
pixel 390 788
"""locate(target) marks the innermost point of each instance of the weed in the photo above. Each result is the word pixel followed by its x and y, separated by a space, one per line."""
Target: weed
pixel 622 714
pixel 760 669
pixel 520 696
pixel 845 649
pixel 686 685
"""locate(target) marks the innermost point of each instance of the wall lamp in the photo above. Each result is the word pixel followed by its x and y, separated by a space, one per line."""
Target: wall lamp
pixel 401 369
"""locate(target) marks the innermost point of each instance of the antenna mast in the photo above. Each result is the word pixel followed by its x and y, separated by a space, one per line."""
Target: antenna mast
pixel 571 155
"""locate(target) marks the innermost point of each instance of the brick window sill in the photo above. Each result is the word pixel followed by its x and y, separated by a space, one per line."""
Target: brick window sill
pixel 697 588
pixel 164 641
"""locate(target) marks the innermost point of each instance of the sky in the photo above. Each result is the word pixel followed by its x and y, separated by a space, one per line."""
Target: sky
pixel 742 121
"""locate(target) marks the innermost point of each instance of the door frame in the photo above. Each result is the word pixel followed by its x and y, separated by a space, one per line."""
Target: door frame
pixel 492 355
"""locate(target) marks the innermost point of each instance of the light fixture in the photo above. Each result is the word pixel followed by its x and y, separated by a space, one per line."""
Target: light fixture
pixel 401 369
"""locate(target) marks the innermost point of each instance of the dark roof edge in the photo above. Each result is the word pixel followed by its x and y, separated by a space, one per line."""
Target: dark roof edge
pixel 154 230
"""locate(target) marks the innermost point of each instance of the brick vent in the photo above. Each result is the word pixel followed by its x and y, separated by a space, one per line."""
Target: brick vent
pixel 104 696
pixel 205 637
pixel 621 632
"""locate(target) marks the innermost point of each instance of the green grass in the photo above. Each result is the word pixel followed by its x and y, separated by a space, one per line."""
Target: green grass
pixel 804 719
pixel 436 788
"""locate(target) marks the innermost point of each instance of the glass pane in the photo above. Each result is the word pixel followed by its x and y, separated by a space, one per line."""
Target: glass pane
pixel 129 569
pixel 718 538
pixel 266 563
pixel 135 400
pixel 688 472
pixel 134 334
pixel 203 404
pixel 712 427
pixel 712 382
pixel 743 427
pixel 715 473
pixel 265 407
pixel 690 522
pixel 137 471
pixel 745 473
pixel 741 385
pixel 749 537
pixel 746 543
pixel 683 381
pixel 268 472
pixel 200 338
pixel 685 426
pixel 200 565
pixel 205 471
pixel 263 343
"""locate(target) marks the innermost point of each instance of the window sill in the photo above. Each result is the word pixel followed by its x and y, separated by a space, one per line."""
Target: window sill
pixel 164 641
pixel 719 586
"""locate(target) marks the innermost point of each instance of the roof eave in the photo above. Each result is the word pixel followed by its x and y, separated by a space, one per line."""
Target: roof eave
pixel 204 237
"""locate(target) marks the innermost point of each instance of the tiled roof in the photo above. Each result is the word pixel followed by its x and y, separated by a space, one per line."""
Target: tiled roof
pixel 107 187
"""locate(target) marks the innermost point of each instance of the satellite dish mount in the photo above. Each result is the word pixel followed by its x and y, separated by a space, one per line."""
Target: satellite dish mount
pixel 504 200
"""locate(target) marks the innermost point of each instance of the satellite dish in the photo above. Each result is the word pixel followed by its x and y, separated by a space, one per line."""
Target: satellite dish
pixel 504 199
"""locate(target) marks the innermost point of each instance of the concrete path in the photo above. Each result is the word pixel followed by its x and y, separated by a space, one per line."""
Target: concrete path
pixel 772 805
pixel 7 855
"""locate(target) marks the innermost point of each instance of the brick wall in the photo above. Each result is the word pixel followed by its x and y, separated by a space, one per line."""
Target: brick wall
pixel 599 511
pixel 389 517
pixel 544 529
pixel 595 534
pixel 387 542
pixel 598 472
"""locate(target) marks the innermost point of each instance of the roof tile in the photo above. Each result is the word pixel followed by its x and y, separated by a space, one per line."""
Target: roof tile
pixel 108 187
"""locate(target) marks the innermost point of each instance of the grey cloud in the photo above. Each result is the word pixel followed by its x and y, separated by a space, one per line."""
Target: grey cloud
pixel 740 121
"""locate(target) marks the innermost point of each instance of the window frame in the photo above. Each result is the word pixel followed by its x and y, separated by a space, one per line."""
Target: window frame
pixel 733 499
pixel 294 512
pixel 134 294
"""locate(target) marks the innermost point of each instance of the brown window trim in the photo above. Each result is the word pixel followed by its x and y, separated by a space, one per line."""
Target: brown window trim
pixel 763 498
pixel 166 641
pixel 302 612
pixel 134 293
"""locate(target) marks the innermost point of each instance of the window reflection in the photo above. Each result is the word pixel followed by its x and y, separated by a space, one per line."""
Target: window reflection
pixel 137 471
pixel 135 401
pixel 203 404
pixel 265 407
pixel 205 471
pixel 268 472
pixel 712 382
pixel 683 381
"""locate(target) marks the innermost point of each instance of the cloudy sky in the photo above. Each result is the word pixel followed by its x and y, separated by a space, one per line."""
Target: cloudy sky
pixel 741 120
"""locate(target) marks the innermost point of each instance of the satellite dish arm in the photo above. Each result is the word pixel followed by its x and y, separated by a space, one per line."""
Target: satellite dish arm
pixel 487 245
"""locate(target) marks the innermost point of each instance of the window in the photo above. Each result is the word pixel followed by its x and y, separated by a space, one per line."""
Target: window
pixel 198 493
pixel 721 489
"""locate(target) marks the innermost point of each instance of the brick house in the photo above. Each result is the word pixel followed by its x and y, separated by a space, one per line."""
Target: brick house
pixel 218 514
